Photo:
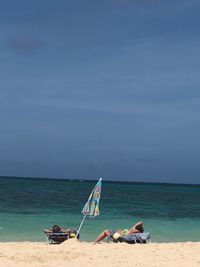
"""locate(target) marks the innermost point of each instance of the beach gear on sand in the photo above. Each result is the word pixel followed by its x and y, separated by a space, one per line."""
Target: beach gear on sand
pixel 116 236
pixel 91 207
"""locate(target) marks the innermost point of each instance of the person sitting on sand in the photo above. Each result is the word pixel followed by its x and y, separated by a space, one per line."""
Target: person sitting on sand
pixel 137 228
pixel 57 229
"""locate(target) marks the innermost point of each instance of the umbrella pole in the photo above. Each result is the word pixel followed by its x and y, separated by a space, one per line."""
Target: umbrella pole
pixel 79 229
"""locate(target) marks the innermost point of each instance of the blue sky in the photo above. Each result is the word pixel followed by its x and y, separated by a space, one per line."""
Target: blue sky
pixel 100 88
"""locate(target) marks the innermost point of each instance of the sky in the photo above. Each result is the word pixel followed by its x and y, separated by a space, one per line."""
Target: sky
pixel 105 88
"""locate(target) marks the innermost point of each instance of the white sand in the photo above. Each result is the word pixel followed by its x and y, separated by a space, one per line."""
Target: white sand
pixel 74 253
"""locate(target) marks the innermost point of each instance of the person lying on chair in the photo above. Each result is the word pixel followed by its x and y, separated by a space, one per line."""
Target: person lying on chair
pixel 57 229
pixel 135 229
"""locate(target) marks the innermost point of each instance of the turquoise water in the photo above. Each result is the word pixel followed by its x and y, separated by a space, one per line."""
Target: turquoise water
pixel 169 212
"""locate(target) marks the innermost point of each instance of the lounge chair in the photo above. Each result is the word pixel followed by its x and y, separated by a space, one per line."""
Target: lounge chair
pixel 141 238
pixel 58 238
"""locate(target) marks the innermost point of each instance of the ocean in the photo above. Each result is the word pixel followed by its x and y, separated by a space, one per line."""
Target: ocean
pixel 170 212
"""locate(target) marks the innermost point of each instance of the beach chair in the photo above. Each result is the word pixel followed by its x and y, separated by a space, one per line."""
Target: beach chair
pixel 140 238
pixel 58 238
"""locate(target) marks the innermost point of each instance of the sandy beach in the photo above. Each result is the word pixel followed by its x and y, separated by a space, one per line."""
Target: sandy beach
pixel 76 253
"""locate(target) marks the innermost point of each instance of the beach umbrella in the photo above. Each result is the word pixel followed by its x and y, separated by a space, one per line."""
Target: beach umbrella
pixel 91 207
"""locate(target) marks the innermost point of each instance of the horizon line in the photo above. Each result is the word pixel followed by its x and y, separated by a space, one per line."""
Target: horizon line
pixel 94 180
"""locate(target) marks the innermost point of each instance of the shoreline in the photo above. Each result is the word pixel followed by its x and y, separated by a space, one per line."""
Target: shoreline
pixel 81 253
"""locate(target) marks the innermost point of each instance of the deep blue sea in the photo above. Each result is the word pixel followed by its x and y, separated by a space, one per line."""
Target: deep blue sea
pixel 170 212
